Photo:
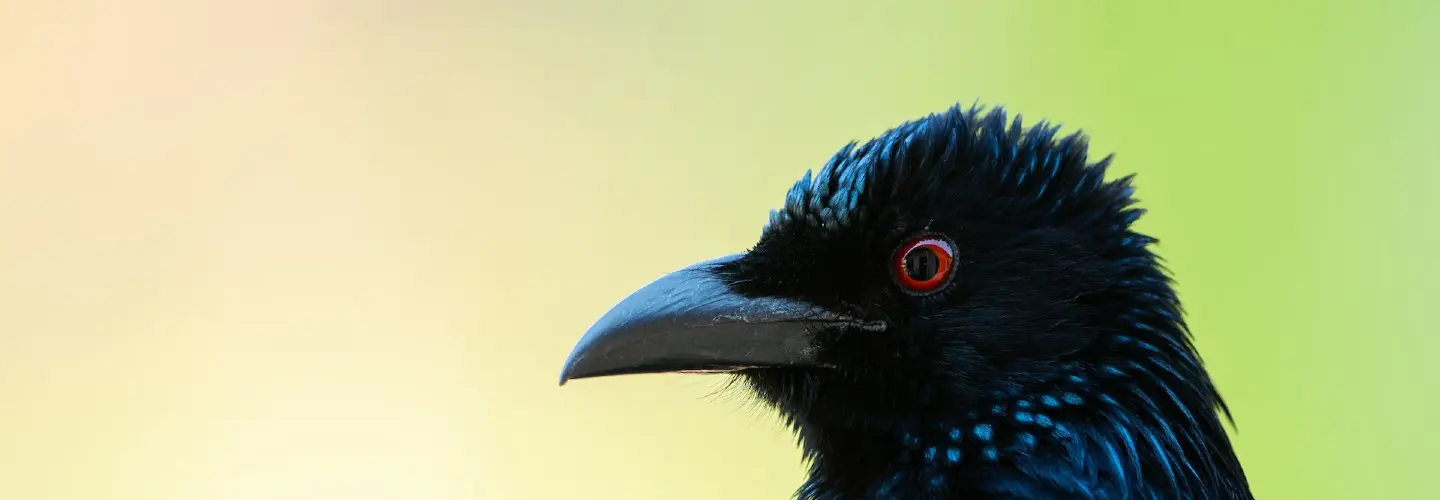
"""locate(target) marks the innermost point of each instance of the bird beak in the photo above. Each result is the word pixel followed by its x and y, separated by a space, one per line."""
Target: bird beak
pixel 689 320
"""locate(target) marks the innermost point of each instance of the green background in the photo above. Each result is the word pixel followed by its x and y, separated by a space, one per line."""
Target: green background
pixel 325 249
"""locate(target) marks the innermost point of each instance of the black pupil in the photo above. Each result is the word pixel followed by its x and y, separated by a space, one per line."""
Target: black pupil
pixel 922 264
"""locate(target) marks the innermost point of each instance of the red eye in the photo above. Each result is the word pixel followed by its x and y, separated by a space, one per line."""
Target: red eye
pixel 924 265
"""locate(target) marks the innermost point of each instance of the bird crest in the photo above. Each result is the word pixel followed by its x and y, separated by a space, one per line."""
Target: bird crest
pixel 944 154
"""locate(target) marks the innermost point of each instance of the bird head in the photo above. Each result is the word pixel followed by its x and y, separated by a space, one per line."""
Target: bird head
pixel 955 261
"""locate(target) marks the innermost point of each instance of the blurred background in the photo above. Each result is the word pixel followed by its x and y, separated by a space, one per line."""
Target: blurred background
pixel 323 249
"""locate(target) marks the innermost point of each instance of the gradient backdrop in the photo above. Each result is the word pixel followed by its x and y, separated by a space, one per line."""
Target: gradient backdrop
pixel 325 249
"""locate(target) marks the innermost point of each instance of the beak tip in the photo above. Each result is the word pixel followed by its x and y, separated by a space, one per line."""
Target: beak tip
pixel 571 369
pixel 567 372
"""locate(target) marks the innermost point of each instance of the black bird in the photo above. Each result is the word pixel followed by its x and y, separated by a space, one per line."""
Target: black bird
pixel 958 308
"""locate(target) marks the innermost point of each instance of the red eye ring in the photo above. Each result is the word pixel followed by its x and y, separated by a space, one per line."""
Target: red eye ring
pixel 924 265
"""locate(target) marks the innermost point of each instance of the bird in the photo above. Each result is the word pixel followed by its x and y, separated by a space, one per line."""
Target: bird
pixel 960 307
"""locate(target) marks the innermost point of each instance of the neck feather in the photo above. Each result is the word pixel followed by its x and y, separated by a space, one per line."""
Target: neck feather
pixel 1137 415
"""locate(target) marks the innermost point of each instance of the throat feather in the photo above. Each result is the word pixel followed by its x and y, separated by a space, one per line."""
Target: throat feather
pixel 1124 426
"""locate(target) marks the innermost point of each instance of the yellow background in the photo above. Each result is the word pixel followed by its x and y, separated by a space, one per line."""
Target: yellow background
pixel 324 249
